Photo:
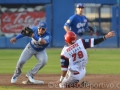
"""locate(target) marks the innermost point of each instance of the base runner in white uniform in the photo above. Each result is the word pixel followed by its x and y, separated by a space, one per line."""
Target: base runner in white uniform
pixel 74 58
pixel 40 39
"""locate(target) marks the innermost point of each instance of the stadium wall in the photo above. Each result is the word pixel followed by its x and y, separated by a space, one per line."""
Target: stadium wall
pixel 57 12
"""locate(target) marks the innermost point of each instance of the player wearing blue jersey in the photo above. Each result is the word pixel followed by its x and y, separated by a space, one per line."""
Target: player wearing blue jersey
pixel 78 23
pixel 40 39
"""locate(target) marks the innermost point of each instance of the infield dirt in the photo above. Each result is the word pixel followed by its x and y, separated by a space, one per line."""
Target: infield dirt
pixel 96 82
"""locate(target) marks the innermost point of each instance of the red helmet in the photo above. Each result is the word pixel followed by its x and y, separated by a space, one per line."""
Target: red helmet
pixel 70 37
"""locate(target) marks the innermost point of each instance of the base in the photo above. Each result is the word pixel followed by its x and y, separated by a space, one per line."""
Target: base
pixel 36 82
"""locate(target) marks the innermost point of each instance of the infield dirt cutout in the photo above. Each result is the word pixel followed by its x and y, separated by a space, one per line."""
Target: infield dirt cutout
pixel 96 82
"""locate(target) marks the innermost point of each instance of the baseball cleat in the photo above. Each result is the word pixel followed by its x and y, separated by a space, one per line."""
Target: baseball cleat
pixel 35 82
pixel 30 78
pixel 14 79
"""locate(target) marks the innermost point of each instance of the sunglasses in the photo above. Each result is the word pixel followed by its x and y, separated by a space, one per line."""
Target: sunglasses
pixel 42 29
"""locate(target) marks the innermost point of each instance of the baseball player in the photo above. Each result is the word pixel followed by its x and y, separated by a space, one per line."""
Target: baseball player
pixel 77 23
pixel 74 58
pixel 40 39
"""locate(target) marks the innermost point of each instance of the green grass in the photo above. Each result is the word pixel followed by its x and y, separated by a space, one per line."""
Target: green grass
pixel 101 61
pixel 11 88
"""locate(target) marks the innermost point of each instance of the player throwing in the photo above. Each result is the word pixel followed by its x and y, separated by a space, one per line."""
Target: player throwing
pixel 40 39
pixel 77 23
pixel 74 57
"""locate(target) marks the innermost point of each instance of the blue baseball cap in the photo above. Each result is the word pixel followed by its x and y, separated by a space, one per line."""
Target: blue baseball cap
pixel 42 25
pixel 80 5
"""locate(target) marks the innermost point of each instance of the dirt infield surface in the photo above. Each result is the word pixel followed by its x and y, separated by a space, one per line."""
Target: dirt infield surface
pixel 96 82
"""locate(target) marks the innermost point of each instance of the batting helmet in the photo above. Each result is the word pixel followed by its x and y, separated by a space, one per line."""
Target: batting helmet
pixel 70 37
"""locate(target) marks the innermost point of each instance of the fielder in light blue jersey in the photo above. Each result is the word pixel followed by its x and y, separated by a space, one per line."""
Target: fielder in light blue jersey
pixel 40 39
pixel 78 23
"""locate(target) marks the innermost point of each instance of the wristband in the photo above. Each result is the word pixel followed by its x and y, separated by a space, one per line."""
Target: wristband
pixel 104 38
pixel 61 78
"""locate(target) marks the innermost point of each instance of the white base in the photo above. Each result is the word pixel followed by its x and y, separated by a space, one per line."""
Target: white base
pixel 36 82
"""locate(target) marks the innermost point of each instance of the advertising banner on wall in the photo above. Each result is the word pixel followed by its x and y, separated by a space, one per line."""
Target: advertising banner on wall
pixel 15 22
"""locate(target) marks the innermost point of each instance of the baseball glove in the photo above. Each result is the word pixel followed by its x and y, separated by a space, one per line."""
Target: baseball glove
pixel 91 29
pixel 27 31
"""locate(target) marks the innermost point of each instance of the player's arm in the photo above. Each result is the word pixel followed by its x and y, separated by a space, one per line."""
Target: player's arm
pixel 91 42
pixel 68 24
pixel 63 74
pixel 13 40
pixel 41 40
pixel 64 66
pixel 22 34
pixel 66 28
pixel 108 35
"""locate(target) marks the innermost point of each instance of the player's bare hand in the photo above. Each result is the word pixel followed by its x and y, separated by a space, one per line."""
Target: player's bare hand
pixel 13 40
pixel 110 34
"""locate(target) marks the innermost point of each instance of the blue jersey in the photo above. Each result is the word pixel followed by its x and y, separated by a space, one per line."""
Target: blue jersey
pixel 35 44
pixel 77 24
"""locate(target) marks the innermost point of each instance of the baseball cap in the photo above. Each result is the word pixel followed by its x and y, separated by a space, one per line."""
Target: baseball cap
pixel 80 5
pixel 42 25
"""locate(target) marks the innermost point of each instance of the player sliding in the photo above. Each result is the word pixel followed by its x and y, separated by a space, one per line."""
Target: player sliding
pixel 74 58
pixel 40 39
